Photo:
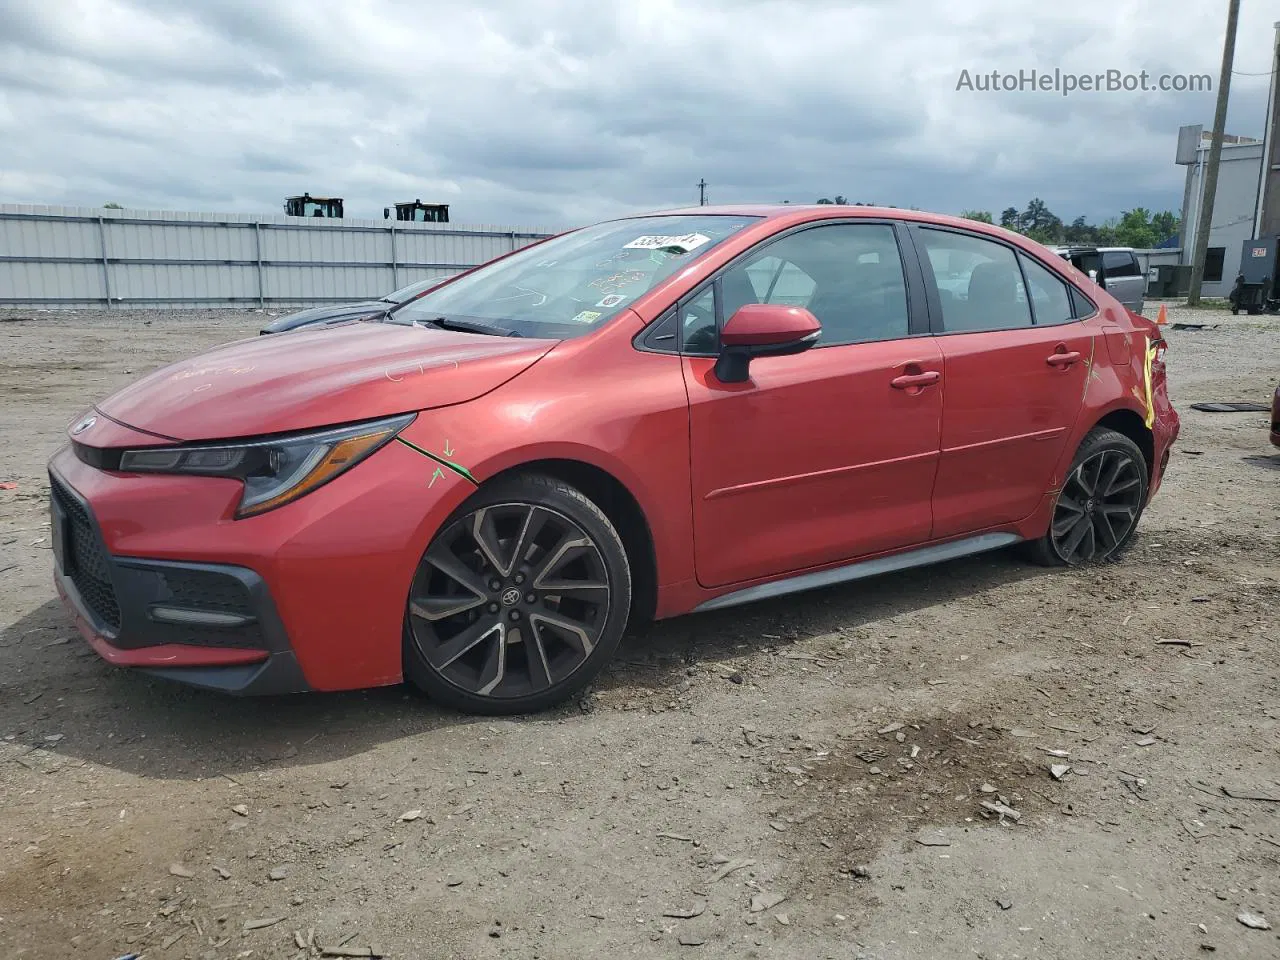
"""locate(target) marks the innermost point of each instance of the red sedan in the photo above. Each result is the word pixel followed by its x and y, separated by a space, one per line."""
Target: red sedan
pixel 643 418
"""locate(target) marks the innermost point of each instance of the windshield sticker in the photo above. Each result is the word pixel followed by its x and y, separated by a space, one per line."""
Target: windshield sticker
pixel 690 241
pixel 612 300
pixel 586 316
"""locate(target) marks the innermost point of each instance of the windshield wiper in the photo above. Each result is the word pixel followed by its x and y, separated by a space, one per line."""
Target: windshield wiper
pixel 469 326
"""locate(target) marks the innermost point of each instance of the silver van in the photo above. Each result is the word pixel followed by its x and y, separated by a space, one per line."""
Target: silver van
pixel 1115 269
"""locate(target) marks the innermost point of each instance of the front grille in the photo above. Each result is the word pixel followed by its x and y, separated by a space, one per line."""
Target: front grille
pixel 86 560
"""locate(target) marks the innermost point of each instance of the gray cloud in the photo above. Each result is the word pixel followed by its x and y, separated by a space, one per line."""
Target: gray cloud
pixel 554 112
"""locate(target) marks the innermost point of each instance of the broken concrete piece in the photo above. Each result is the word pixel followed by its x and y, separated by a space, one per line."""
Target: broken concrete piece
pixel 766 901
pixel 1002 810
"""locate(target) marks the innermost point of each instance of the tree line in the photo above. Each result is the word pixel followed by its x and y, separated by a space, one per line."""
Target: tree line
pixel 1138 227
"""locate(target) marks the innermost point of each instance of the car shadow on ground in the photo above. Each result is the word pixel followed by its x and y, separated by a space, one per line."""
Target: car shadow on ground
pixel 666 649
pixel 58 697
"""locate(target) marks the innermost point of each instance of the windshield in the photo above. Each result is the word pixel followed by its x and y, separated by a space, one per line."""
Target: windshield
pixel 413 289
pixel 575 283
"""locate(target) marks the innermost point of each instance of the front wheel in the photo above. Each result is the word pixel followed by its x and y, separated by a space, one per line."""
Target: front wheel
pixel 1098 506
pixel 519 601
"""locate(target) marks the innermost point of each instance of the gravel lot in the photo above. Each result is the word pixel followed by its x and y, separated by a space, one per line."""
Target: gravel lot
pixel 802 778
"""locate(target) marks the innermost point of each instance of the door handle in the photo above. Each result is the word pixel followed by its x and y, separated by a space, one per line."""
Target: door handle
pixel 1063 359
pixel 909 380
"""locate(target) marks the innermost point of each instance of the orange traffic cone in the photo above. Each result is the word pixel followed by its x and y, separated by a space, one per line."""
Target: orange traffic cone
pixel 1162 318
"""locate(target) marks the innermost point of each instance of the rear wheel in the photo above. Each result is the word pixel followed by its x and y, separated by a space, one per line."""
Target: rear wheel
pixel 519 601
pixel 1098 507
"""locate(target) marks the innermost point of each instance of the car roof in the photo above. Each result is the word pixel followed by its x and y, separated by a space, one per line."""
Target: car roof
pixel 799 212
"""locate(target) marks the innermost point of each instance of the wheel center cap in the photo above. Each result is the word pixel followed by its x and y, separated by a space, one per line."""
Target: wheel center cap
pixel 1091 505
pixel 510 597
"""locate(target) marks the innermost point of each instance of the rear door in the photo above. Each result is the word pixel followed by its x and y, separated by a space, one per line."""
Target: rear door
pixel 1014 372
pixel 828 454
pixel 1124 278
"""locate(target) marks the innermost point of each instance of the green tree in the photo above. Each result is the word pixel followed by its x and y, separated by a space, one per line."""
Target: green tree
pixel 982 216
pixel 1135 229
pixel 837 199
pixel 1166 224
pixel 1009 218
pixel 112 206
pixel 1040 223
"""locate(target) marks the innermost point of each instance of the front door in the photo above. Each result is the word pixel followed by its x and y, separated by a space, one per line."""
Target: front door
pixel 1014 373
pixel 820 456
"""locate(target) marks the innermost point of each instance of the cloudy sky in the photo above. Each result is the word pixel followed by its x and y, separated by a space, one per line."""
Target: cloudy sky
pixel 557 112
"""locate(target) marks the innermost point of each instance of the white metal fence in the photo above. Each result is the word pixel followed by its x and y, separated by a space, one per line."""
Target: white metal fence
pixel 98 257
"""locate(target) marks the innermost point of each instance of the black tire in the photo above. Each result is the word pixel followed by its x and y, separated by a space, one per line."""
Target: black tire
pixel 533 605
pixel 1089 524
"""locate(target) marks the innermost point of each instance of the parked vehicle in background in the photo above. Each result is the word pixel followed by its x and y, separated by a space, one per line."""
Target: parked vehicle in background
pixel 1115 269
pixel 643 418
pixel 344 312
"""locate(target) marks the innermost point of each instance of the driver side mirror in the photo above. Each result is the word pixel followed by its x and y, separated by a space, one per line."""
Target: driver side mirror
pixel 763 330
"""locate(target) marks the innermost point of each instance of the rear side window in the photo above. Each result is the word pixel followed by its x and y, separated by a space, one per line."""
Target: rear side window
pixel 1120 263
pixel 1050 298
pixel 1081 305
pixel 979 284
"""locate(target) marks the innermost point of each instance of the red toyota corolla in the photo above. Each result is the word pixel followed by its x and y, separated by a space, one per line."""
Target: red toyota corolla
pixel 643 418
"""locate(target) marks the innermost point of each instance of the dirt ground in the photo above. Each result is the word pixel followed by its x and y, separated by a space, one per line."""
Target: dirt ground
pixel 801 778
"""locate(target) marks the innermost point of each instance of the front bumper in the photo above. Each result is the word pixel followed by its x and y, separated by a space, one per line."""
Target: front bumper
pixel 208 625
pixel 324 580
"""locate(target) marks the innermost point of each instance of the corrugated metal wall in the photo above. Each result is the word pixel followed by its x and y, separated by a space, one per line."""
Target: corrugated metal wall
pixel 95 257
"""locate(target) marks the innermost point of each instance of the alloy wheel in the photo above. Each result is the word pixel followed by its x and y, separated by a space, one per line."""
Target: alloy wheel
pixel 509 600
pixel 1097 507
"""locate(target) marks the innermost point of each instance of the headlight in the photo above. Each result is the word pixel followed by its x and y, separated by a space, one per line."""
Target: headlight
pixel 274 471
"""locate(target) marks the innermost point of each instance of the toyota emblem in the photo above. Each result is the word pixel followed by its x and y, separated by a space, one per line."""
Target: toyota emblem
pixel 510 597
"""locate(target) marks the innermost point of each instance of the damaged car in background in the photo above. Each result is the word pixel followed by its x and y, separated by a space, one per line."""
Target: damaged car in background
pixel 645 418
pixel 331 314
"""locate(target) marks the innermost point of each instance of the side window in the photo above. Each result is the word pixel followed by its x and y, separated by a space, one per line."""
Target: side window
pixel 1120 263
pixel 699 333
pixel 1050 301
pixel 847 275
pixel 978 281
pixel 1082 306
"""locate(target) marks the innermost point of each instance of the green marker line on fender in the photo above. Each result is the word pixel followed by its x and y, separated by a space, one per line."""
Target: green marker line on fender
pixel 457 468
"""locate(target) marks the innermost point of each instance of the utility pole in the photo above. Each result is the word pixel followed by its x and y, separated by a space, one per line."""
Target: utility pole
pixel 1215 157
pixel 702 192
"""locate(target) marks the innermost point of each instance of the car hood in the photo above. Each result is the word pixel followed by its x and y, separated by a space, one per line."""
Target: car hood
pixel 316 378
pixel 327 314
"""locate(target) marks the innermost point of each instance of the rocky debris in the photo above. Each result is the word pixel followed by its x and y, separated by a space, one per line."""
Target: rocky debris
pixel 278 873
pixel 1059 770
pixel 697 909
pixel 1002 810
pixel 766 901
pixel 1254 921
pixel 732 866
pixel 181 870
pixel 240 809
pixel 261 923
